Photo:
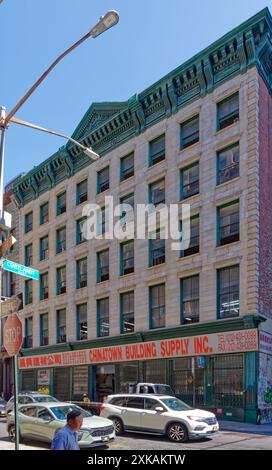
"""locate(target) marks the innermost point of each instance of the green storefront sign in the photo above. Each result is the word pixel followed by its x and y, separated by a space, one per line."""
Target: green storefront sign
pixel 20 269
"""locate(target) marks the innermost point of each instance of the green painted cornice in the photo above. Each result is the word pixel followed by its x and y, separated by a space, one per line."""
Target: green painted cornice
pixel 219 326
pixel 108 125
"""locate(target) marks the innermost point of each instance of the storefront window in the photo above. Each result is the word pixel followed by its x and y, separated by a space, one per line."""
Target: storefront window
pixel 80 381
pixel 188 380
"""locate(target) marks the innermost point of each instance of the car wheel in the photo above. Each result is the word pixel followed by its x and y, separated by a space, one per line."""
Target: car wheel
pixel 118 426
pixel 177 432
pixel 11 433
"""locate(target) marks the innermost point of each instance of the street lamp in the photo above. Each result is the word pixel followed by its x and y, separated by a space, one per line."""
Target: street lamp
pixel 110 19
pixel 106 22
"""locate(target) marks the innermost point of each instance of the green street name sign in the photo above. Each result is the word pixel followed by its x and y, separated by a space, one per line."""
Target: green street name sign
pixel 20 269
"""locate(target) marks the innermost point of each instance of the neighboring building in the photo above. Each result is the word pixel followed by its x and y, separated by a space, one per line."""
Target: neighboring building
pixel 107 313
pixel 9 286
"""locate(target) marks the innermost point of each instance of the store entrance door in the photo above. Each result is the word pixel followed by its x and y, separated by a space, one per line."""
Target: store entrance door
pixel 105 381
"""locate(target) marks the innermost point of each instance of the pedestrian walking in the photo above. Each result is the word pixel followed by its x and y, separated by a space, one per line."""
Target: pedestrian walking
pixel 66 438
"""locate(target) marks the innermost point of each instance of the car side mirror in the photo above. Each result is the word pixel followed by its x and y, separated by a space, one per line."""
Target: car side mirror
pixel 48 419
pixel 159 409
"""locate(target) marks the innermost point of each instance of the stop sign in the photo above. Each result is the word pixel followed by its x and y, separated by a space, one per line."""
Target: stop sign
pixel 13 334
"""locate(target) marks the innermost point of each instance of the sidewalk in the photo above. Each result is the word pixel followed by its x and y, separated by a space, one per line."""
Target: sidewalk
pixel 5 444
pixel 264 429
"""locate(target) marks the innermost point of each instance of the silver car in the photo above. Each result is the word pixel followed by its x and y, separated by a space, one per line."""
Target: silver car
pixel 41 422
pixel 29 397
pixel 2 407
pixel 158 414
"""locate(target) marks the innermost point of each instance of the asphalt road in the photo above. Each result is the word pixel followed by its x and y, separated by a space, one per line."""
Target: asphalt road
pixel 224 440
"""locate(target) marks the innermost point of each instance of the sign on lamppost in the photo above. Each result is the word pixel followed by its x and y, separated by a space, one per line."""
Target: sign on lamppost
pixel 20 269
pixel 13 339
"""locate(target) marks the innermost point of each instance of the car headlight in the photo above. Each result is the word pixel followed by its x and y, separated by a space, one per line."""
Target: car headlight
pixel 83 433
pixel 199 419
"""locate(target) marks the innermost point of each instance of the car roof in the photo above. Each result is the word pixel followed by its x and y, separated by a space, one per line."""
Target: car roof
pixel 140 395
pixel 48 404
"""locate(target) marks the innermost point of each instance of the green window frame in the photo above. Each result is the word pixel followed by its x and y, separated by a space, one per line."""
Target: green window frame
pixel 189 181
pixel 228 223
pixel 44 329
pixel 228 163
pixel 127 320
pixel 127 166
pixel 29 222
pixel 103 180
pixel 157 306
pixel 103 265
pixel 194 237
pixel 61 203
pixel 44 248
pixel 228 111
pixel 44 213
pixel 82 192
pixel 156 192
pixel 189 299
pixel 82 322
pixel 156 250
pixel 44 289
pixel 127 257
pixel 127 216
pixel 28 339
pixel 28 292
pixel 189 132
pixel 60 240
pixel 81 273
pixel 28 254
pixel 156 150
pixel 79 231
pixel 228 292
pixel 103 317
pixel 61 325
pixel 61 280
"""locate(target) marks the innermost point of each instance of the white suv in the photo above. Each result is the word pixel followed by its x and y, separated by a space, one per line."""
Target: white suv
pixel 158 414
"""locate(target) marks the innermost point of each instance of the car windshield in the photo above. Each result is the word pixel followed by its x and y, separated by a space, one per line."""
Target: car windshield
pixel 44 399
pixel 164 389
pixel 61 411
pixel 175 404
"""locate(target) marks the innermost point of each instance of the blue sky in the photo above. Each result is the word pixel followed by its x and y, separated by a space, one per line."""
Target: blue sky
pixel 152 38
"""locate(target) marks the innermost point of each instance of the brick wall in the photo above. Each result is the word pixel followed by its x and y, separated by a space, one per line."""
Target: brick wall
pixel 265 185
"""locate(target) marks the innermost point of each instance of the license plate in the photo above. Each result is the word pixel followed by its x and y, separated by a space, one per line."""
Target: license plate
pixel 105 438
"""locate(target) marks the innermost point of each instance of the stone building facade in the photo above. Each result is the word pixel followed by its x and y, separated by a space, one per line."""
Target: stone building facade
pixel 104 314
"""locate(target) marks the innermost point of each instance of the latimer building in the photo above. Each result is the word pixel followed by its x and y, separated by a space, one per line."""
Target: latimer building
pixel 106 313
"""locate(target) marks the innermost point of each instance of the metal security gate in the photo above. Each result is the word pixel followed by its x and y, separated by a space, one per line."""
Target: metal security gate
pixel 188 380
pixel 228 381
pixel 155 371
pixel 62 383
pixel 126 373
pixel 29 380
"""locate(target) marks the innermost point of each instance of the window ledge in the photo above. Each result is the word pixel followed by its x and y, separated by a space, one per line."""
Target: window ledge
pixel 220 247
pixel 189 257
pixel 223 185
pixel 188 149
pixel 232 126
pixel 157 266
pixel 131 178
pixel 126 276
pixel 189 198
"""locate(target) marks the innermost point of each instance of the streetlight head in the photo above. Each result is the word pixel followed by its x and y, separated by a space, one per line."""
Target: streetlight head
pixel 91 154
pixel 110 19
